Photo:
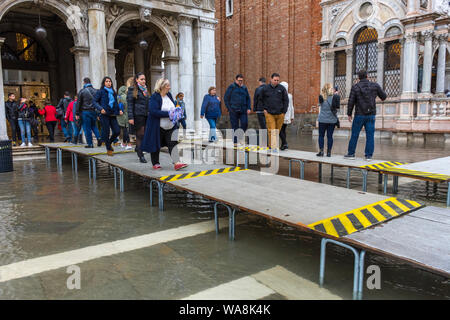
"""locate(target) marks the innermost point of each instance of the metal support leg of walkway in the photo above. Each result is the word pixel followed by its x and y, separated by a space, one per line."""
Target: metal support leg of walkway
pixel 92 168
pixel 302 168
pixel 320 172
pixel 364 175
pixel 448 194
pixel 357 262
pixel 231 217
pixel 47 154
pixel 118 171
pixel 395 184
pixel 59 157
pixel 74 161
pixel 160 186
pixel 386 177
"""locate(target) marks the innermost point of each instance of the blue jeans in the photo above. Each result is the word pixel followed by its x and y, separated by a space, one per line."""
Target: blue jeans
pixel 329 129
pixel 369 126
pixel 25 126
pixel 66 129
pixel 89 120
pixel 107 124
pixel 76 131
pixel 237 117
pixel 212 129
pixel 183 123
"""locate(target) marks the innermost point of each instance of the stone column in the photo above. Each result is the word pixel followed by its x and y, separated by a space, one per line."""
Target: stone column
pixel 204 65
pixel 411 7
pixel 349 71
pixel 82 65
pixel 323 68
pixel 171 67
pixel 440 78
pixel 380 63
pixel 410 69
pixel 330 67
pixel 427 61
pixel 3 130
pixel 186 67
pixel 97 42
pixel 156 72
pixel 112 66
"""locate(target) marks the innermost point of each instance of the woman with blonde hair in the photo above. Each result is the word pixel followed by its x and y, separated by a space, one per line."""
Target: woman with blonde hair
pixel 161 125
pixel 329 103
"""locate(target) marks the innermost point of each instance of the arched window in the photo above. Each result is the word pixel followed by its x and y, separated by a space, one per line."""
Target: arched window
pixel 392 52
pixel 340 69
pixel 365 53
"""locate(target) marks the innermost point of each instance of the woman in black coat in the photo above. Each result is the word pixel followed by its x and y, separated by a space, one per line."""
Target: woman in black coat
pixel 137 104
pixel 105 101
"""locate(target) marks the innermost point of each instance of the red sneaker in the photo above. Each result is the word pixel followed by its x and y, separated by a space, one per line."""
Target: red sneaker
pixel 157 166
pixel 179 166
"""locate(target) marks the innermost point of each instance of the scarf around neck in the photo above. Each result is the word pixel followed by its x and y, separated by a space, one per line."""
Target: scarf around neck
pixel 110 96
pixel 143 89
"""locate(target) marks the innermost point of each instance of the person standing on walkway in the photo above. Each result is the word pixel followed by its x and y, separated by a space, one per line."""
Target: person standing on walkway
pixel 162 124
pixel 257 106
pixel 49 112
pixel 275 101
pixel 288 118
pixel 329 103
pixel 363 95
pixel 211 111
pixel 237 101
pixel 138 106
pixel 85 110
pixel 61 109
pixel 71 118
pixel 12 114
pixel 122 120
pixel 179 102
pixel 105 101
pixel 24 116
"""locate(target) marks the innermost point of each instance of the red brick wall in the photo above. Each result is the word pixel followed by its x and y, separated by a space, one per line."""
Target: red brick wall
pixel 267 36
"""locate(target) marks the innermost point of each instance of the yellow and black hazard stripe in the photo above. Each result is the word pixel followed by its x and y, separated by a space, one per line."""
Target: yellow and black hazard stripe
pixel 383 165
pixel 252 148
pixel 422 174
pixel 190 175
pixel 362 218
pixel 115 152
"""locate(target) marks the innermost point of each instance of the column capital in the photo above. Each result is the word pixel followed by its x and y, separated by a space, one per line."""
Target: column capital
pixel 207 23
pixel 113 52
pixel 171 60
pixel 96 5
pixel 443 38
pixel 2 41
pixel 349 51
pixel 380 46
pixel 411 36
pixel 427 35
pixel 185 20
pixel 79 50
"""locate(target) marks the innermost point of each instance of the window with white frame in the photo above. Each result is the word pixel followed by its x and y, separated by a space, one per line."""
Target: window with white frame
pixel 228 8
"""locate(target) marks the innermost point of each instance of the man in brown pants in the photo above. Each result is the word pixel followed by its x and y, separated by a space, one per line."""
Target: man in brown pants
pixel 275 101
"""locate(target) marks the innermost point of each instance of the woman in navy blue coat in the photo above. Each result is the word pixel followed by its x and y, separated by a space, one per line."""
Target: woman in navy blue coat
pixel 160 131
pixel 105 101
pixel 211 111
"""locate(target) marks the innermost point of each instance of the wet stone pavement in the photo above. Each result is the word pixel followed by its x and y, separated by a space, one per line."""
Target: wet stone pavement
pixel 45 212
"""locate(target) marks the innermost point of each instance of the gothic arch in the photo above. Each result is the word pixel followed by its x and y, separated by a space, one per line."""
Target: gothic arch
pixel 70 14
pixel 166 36
pixel 351 8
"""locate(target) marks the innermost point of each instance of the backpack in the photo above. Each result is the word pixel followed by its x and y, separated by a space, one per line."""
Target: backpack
pixel 366 105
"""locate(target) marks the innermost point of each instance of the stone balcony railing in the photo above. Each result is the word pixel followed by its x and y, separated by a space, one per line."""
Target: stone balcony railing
pixel 426 115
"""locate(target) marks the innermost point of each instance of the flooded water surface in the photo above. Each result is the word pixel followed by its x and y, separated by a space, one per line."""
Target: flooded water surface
pixel 130 250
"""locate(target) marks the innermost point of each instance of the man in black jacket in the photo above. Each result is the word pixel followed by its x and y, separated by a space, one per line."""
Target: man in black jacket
pixel 86 110
pixel 275 101
pixel 363 95
pixel 11 107
pixel 257 106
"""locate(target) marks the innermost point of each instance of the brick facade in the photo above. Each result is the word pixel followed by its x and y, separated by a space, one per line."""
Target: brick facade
pixel 266 36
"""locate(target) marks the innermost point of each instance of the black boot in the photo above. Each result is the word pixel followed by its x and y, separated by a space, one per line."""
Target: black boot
pixel 320 154
pixel 140 155
pixel 328 153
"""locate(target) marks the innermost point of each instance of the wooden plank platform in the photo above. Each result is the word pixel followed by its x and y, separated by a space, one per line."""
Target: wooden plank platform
pixel 421 238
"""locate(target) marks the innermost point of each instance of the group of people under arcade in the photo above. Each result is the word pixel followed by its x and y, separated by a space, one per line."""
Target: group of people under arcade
pixel 155 117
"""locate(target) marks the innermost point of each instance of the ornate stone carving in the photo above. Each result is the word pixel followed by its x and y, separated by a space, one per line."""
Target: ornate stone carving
pixel 443 38
pixel 427 35
pixel 334 13
pixel 185 20
pixel 145 14
pixel 172 23
pixel 197 2
pixel 442 7
pixel 380 46
pixel 207 24
pixel 212 4
pixel 349 51
pixel 112 13
pixel 424 4
pixel 411 36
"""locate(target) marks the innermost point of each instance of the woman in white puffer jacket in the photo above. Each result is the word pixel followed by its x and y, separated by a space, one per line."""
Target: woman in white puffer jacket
pixel 288 118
